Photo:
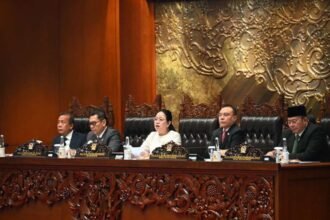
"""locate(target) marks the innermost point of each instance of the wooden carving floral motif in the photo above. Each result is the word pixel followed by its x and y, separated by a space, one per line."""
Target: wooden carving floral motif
pixel 191 110
pixel 100 195
pixel 77 110
pixel 250 108
pixel 143 110
pixel 18 188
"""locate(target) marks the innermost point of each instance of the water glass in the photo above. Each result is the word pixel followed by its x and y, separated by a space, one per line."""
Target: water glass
pixel 56 147
pixel 211 149
pixel 278 153
pixel 127 154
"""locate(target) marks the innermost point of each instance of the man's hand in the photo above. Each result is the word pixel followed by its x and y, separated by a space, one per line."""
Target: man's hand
pixel 271 154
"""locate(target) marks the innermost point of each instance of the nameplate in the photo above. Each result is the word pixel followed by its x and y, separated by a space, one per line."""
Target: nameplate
pixel 29 154
pixel 93 154
pixel 169 151
pixel 244 152
pixel 242 158
pixel 34 148
pixel 168 157
pixel 94 150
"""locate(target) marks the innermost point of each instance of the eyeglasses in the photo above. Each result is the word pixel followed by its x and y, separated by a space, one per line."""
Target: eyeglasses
pixel 93 123
pixel 293 121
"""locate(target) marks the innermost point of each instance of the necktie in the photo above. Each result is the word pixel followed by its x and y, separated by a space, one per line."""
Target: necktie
pixel 223 136
pixel 295 144
pixel 63 140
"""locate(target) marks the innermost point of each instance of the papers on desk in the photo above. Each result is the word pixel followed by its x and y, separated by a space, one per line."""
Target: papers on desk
pixel 193 157
pixel 135 154
pixel 119 157
pixel 299 161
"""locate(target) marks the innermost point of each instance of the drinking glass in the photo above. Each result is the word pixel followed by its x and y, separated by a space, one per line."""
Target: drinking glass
pixel 72 153
pixel 278 152
pixel 56 148
pixel 211 149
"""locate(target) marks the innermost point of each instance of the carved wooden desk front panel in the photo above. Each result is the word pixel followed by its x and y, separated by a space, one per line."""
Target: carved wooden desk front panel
pixel 97 188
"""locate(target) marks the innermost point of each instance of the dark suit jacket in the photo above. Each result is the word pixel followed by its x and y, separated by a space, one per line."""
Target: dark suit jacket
pixel 111 138
pixel 78 140
pixel 235 136
pixel 312 145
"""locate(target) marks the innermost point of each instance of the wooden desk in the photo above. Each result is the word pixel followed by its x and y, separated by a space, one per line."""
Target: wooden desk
pixel 46 188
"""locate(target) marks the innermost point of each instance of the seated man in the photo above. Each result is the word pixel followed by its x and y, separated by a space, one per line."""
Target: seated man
pixel 99 130
pixel 229 134
pixel 306 141
pixel 65 128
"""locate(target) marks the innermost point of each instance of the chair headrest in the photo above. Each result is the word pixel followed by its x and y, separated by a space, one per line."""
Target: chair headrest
pixel 81 125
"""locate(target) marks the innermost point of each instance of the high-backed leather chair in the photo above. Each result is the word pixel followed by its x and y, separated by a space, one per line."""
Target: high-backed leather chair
pixel 81 114
pixel 81 124
pixel 263 123
pixel 139 119
pixel 262 132
pixel 196 124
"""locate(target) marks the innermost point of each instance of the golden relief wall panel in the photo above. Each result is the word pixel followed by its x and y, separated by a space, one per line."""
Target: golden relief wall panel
pixel 239 48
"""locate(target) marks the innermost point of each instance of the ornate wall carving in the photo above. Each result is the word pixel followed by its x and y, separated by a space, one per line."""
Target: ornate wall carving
pixel 143 110
pixel 100 195
pixel 246 47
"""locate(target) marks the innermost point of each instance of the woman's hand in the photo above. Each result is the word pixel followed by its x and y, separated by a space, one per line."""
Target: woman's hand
pixel 144 155
pixel 223 152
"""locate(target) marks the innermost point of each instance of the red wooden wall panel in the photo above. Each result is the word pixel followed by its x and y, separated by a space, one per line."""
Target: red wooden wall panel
pixel 89 53
pixel 28 67
pixel 53 50
pixel 137 41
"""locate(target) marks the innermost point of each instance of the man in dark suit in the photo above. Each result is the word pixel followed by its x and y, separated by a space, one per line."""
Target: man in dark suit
pixel 65 128
pixel 228 134
pixel 306 141
pixel 100 131
pixel 310 138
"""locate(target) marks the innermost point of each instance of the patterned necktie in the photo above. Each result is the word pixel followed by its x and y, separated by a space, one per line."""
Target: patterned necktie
pixel 295 144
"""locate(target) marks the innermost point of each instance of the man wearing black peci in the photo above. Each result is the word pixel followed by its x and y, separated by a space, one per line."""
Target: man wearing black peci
pixel 306 141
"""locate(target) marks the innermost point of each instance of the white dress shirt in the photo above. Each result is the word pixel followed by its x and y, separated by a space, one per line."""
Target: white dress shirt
pixel 155 140
pixel 68 138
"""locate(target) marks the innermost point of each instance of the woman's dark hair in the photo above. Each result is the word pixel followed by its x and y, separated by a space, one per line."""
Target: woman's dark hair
pixel 168 115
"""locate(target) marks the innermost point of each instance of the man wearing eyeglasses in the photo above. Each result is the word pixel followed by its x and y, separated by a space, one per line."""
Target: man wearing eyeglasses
pixel 100 131
pixel 65 128
pixel 306 141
